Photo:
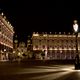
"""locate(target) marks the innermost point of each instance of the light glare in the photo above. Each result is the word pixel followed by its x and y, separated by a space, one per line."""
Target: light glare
pixel 75 27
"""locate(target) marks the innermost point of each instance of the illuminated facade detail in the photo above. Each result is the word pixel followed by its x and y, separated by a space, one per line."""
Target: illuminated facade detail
pixel 6 37
pixel 56 46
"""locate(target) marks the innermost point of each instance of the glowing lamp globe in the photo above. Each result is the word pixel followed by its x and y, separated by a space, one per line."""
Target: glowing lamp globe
pixel 75 26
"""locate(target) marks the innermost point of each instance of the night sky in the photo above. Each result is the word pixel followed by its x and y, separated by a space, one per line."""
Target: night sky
pixel 27 17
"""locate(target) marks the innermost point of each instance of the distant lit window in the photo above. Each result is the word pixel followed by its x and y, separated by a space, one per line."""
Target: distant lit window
pixel 62 41
pixel 71 47
pixel 57 47
pixel 47 40
pixel 48 47
pixel 53 47
pixel 57 41
pixel 36 46
pixel 39 40
pixel 72 41
pixel 63 47
pixel 43 46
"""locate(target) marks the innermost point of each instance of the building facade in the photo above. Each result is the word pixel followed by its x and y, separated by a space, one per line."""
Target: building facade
pixel 56 45
pixel 6 37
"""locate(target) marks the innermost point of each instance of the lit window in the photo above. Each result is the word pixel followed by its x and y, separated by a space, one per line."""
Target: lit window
pixel 43 46
pixel 48 40
pixel 53 47
pixel 48 47
pixel 36 46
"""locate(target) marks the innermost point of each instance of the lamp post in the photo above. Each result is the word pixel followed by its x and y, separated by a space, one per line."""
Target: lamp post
pixel 75 27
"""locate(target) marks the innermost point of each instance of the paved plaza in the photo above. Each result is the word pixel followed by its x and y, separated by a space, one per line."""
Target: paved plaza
pixel 52 72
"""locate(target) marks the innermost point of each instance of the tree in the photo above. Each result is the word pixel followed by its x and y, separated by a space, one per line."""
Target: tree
pixel 43 54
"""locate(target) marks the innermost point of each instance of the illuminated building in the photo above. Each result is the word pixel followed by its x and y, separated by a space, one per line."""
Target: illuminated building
pixel 6 37
pixel 56 45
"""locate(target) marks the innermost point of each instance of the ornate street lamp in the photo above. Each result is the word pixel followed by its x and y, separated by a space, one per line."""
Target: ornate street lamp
pixel 75 27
